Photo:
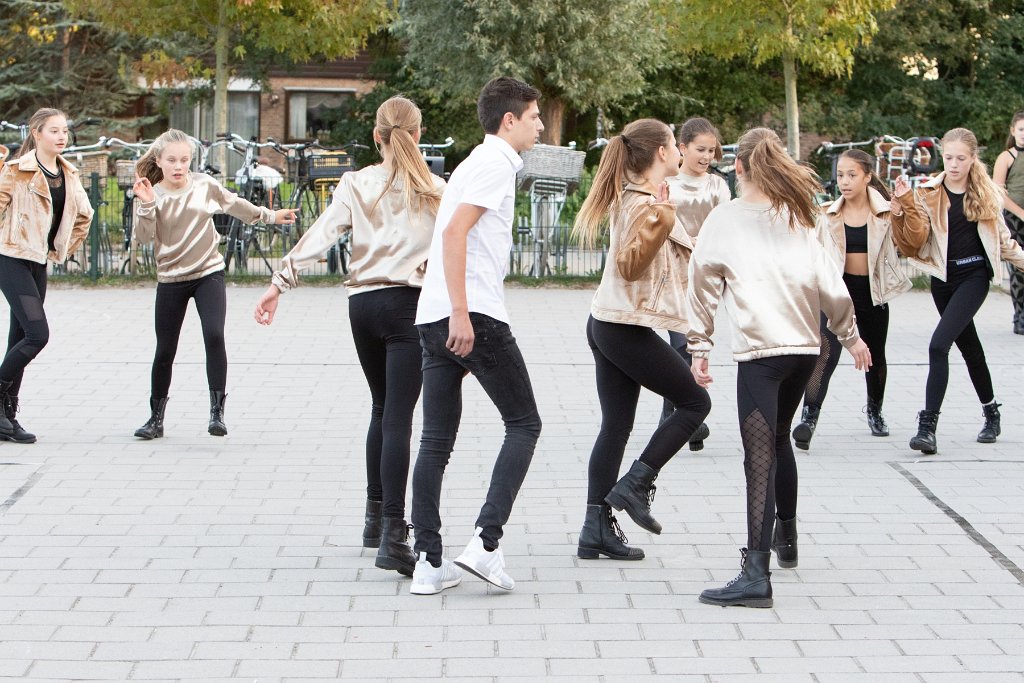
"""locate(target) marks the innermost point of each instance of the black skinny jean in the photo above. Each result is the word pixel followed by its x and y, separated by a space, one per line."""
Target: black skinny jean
pixel 873 327
pixel 958 299
pixel 626 358
pixel 23 283
pixel 388 347
pixel 768 393
pixel 498 365
pixel 171 304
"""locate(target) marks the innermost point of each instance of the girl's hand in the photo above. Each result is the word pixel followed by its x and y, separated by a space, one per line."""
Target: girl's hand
pixel 861 355
pixel 284 217
pixel 143 189
pixel 699 368
pixel 266 307
pixel 901 189
pixel 662 196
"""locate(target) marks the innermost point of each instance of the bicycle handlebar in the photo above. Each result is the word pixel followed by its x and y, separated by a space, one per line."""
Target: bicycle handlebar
pixel 826 146
pixel 448 142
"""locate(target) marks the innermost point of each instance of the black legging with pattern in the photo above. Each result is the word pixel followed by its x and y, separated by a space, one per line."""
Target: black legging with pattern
pixel 1016 227
pixel 768 393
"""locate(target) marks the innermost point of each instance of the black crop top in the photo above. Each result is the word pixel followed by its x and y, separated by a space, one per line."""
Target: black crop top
pixel 856 239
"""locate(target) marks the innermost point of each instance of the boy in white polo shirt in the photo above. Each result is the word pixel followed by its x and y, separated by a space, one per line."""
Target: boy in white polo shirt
pixel 463 327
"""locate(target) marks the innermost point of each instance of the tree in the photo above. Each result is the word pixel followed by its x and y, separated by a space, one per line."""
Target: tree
pixel 227 30
pixel 819 34
pixel 577 54
pixel 52 60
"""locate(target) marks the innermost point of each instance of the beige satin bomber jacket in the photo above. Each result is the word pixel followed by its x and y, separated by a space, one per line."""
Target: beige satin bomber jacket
pixel 695 197
pixel 885 276
pixel 644 281
pixel 389 246
pixel 922 233
pixel 774 281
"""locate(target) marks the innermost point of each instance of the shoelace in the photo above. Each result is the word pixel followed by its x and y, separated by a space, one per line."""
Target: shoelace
pixel 650 494
pixel 743 563
pixel 408 528
pixel 617 530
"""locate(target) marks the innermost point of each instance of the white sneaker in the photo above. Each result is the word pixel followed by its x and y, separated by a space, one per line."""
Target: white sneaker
pixel 489 566
pixel 430 580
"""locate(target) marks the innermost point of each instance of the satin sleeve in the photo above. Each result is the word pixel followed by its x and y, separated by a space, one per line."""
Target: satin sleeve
pixel 320 237
pixel 703 294
pixel 647 229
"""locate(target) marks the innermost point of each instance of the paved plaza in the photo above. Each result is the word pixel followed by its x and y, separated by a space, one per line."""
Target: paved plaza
pixel 203 559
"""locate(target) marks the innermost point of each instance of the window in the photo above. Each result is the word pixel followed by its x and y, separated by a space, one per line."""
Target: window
pixel 197 120
pixel 309 112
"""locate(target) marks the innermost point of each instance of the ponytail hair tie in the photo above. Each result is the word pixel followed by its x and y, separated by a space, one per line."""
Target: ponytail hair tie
pixel 625 140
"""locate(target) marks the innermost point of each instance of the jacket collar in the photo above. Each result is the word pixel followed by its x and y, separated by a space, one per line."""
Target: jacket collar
pixel 876 203
pixel 936 181
pixel 29 164
pixel 645 188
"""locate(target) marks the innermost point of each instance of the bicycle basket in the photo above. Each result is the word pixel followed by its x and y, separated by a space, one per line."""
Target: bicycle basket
pixel 328 165
pixel 124 169
pixel 550 162
pixel 88 163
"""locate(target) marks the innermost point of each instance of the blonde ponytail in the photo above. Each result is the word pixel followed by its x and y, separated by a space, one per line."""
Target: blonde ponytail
pixel 787 184
pixel 625 159
pixel 398 120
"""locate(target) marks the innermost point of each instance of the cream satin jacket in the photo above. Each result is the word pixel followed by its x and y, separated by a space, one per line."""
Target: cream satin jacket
pixel 180 222
pixel 695 197
pixel 390 242
pixel 644 281
pixel 885 276
pixel 775 283
pixel 26 212
pixel 922 233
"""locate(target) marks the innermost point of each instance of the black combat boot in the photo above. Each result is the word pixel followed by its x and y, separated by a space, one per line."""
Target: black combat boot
pixel 217 426
pixel 154 427
pixel 752 588
pixel 803 432
pixel 6 428
pixel 634 493
pixel 371 526
pixel 394 552
pixel 18 433
pixel 924 441
pixel 875 420
pixel 784 542
pixel 602 535
pixel 987 434
pixel 697 440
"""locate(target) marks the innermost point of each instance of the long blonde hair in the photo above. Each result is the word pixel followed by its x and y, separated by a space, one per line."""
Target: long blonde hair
pixel 625 159
pixel 983 200
pixel 786 183
pixel 36 124
pixel 398 120
pixel 146 167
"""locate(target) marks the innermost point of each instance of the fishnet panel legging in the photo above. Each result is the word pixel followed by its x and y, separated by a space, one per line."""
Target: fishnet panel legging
pixel 768 393
pixel 1016 227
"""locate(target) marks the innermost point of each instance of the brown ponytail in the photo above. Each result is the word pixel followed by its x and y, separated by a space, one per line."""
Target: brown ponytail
pixel 983 200
pixel 398 120
pixel 625 159
pixel 867 164
pixel 787 184
pixel 146 166
pixel 36 123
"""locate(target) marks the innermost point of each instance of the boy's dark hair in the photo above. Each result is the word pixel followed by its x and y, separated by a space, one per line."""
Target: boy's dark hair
pixel 500 96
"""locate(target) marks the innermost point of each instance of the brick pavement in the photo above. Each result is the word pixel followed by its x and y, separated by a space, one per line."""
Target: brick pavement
pixel 196 558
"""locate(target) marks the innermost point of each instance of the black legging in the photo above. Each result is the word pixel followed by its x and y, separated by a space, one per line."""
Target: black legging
pixel 677 340
pixel 1016 227
pixel 768 393
pixel 171 305
pixel 873 327
pixel 626 358
pixel 958 299
pixel 24 286
pixel 388 346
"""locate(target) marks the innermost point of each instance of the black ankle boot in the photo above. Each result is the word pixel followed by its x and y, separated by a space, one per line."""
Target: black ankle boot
pixel 875 420
pixel 987 434
pixel 371 527
pixel 217 426
pixel 154 427
pixel 803 432
pixel 784 542
pixel 925 441
pixel 634 493
pixel 394 552
pixel 752 588
pixel 6 428
pixel 602 535
pixel 697 440
pixel 18 433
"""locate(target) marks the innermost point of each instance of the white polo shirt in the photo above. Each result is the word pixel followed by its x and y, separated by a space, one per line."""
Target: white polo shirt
pixel 487 178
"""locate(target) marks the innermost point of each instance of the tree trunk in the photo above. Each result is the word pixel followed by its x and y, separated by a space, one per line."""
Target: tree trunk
pixel 792 108
pixel 552 112
pixel 222 47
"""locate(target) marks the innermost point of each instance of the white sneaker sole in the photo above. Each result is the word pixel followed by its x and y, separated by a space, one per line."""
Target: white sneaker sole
pixel 421 589
pixel 489 578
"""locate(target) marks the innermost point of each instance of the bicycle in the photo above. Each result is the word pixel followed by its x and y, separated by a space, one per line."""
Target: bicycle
pixel 915 159
pixel 136 259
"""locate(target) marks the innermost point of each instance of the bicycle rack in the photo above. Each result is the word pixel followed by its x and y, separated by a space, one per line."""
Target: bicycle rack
pixel 550 173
